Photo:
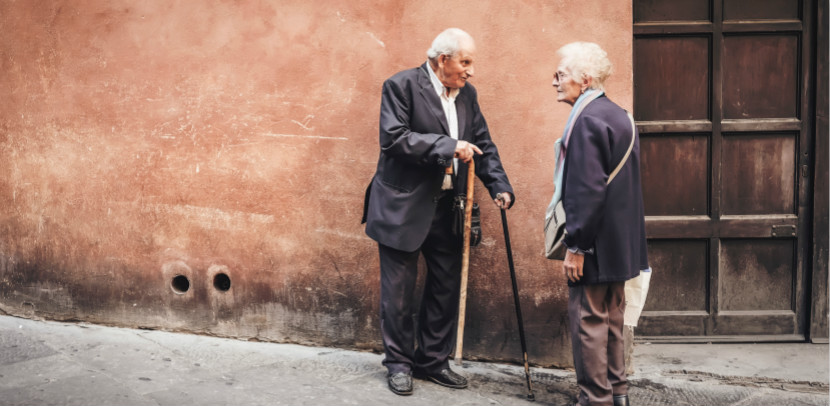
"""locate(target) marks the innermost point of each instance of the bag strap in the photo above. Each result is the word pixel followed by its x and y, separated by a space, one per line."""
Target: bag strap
pixel 627 153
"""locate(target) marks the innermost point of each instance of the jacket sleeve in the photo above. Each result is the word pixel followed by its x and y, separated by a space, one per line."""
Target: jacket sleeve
pixel 488 165
pixel 399 141
pixel 584 183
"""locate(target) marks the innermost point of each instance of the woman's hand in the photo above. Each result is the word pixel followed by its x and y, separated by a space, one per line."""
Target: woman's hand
pixel 573 266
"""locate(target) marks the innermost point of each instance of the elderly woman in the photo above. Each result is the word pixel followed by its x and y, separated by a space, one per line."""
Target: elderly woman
pixel 605 224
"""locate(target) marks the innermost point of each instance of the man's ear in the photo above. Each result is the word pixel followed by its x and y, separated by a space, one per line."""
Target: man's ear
pixel 442 59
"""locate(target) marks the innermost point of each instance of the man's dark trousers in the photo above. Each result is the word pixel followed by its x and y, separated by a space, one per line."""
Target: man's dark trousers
pixel 439 304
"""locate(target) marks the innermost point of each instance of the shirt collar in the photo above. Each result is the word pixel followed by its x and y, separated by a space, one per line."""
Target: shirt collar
pixel 439 87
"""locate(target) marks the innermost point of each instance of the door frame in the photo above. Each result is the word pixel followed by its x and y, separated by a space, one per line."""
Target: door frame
pixel 818 331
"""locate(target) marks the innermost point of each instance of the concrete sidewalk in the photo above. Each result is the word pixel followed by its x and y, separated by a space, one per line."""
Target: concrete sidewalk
pixel 52 363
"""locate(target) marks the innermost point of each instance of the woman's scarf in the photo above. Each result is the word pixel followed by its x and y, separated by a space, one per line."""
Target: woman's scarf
pixel 561 145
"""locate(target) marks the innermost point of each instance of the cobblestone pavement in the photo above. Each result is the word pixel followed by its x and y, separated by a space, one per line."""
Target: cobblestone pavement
pixel 52 363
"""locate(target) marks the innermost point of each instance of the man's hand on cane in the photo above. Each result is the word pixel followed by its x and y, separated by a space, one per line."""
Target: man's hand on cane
pixel 465 151
pixel 504 200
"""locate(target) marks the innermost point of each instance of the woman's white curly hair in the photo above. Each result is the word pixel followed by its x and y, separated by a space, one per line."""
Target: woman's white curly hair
pixel 586 59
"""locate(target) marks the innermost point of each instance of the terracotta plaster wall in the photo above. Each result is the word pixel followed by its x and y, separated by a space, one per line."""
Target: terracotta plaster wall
pixel 144 140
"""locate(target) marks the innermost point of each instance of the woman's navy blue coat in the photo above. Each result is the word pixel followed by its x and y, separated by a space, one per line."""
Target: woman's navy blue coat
pixel 606 218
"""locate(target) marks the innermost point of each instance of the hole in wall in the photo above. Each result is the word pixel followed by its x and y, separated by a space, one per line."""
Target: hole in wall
pixel 222 282
pixel 180 284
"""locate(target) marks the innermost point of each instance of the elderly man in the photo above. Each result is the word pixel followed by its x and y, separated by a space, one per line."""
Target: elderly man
pixel 430 128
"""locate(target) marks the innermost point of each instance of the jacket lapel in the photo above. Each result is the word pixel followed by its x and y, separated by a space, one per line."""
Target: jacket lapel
pixel 431 99
pixel 461 112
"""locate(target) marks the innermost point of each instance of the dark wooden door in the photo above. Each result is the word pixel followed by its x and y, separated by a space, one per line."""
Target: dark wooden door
pixel 722 104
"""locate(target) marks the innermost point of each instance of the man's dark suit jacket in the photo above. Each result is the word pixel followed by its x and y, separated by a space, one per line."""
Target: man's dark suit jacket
pixel 608 218
pixel 415 149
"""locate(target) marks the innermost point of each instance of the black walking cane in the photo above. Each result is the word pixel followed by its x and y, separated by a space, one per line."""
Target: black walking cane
pixel 530 395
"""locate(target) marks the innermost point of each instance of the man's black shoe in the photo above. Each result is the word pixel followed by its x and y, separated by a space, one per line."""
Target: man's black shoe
pixel 620 400
pixel 446 377
pixel 400 383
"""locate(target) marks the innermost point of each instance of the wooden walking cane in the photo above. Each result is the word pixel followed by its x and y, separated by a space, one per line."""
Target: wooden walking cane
pixel 465 262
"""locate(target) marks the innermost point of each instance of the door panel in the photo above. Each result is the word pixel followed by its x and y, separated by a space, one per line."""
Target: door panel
pixel 662 65
pixel 764 265
pixel 672 324
pixel 760 9
pixel 671 10
pixel 760 76
pixel 760 171
pixel 667 158
pixel 766 327
pixel 720 101
pixel 681 284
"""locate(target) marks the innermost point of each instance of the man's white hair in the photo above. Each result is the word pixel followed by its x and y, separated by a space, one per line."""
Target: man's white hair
pixel 448 42
pixel 586 59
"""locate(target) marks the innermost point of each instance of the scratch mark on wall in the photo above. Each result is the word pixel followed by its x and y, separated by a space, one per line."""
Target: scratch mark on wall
pixel 319 137
pixel 340 234
pixel 376 39
pixel 488 242
pixel 305 122
pixel 210 217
